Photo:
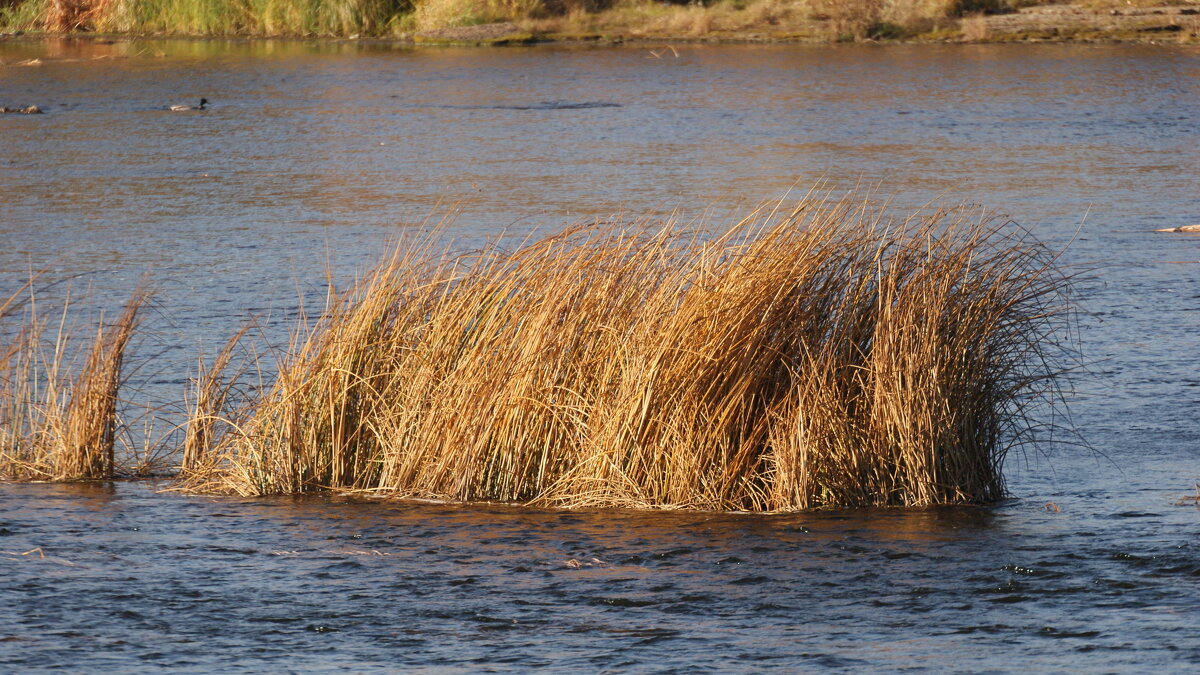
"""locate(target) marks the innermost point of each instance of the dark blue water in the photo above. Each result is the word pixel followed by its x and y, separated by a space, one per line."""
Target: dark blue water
pixel 313 155
pixel 138 580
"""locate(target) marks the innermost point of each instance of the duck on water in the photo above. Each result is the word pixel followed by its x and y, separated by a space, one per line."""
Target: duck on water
pixel 184 108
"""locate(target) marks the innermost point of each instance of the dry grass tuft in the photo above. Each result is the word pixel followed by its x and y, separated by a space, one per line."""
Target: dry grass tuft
pixel 818 357
pixel 974 28
pixel 54 426
pixel 437 14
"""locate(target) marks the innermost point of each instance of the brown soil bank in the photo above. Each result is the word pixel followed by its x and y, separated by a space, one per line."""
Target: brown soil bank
pixel 889 20
pixel 521 21
pixel 1096 21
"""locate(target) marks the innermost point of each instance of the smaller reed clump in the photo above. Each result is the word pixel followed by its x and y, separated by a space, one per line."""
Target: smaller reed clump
pixel 58 422
pixel 818 358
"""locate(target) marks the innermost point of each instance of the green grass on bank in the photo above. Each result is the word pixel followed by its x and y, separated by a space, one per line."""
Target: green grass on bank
pixel 816 19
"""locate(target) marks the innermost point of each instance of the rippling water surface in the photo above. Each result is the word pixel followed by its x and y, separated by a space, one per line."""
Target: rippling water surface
pixel 313 155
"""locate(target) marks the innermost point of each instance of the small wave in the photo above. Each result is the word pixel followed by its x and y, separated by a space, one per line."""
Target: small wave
pixel 541 105
pixel 624 602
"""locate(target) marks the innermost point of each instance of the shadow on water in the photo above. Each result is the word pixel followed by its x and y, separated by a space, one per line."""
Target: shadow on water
pixel 541 105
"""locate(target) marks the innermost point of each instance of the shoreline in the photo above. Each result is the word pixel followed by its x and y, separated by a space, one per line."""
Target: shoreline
pixel 522 40
pixel 1057 23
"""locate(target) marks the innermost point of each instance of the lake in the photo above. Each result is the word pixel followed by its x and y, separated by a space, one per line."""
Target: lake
pixel 314 155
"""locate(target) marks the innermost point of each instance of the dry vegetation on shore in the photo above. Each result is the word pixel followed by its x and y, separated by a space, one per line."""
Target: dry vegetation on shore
pixel 818 358
pixel 506 21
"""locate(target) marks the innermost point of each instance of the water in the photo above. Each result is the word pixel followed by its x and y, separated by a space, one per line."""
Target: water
pixel 139 580
pixel 314 155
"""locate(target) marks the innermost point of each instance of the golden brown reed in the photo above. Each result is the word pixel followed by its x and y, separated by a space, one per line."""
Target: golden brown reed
pixel 212 398
pixel 816 357
pixel 54 426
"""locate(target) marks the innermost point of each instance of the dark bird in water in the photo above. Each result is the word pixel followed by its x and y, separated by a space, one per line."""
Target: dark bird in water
pixel 28 110
pixel 182 108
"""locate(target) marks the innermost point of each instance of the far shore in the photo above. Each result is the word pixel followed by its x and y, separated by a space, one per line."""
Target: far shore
pixel 722 21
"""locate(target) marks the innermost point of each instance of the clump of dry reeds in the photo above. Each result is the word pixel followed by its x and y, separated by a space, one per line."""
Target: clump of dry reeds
pixel 817 357
pixel 56 424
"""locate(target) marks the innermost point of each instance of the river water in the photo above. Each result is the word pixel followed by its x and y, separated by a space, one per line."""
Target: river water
pixel 313 155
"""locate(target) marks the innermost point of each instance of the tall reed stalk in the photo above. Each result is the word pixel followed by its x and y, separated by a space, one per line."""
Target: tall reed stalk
pixel 212 397
pixel 819 357
pixel 55 424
